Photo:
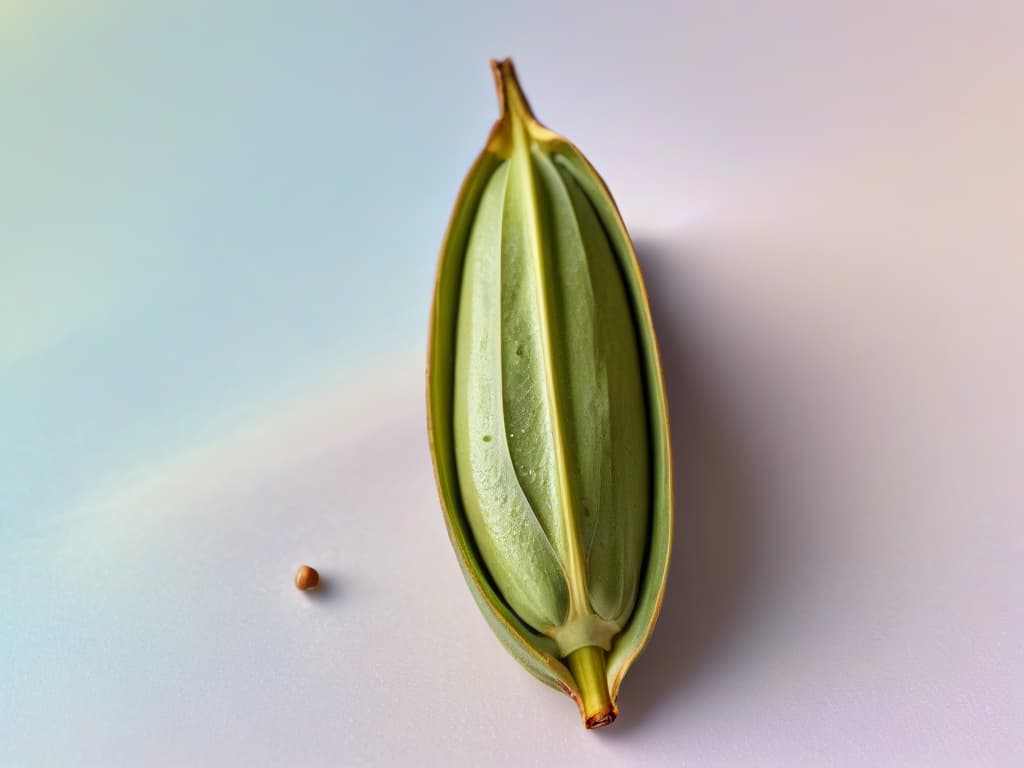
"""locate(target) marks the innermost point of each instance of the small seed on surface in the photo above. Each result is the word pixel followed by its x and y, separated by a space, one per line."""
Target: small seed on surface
pixel 307 578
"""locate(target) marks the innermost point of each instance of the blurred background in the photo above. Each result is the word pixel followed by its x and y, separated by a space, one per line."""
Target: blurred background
pixel 218 230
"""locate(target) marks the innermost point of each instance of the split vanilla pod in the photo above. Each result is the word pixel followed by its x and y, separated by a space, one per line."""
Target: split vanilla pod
pixel 546 410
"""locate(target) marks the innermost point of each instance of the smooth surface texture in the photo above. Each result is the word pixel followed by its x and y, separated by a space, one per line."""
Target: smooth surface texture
pixel 216 277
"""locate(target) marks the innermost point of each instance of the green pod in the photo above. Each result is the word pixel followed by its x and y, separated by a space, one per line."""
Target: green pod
pixel 546 411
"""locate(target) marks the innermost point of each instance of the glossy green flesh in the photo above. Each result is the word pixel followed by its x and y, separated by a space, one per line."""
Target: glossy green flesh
pixel 550 426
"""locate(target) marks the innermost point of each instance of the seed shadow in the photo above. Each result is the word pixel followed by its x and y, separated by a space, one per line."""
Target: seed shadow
pixel 711 547
pixel 329 591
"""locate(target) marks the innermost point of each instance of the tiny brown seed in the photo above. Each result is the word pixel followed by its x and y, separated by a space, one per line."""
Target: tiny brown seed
pixel 307 578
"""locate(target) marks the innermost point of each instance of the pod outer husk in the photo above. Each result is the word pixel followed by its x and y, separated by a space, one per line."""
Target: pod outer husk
pixel 534 651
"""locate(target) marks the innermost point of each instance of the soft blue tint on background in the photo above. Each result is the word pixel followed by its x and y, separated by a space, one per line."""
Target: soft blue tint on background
pixel 208 207
pixel 205 208
pixel 218 230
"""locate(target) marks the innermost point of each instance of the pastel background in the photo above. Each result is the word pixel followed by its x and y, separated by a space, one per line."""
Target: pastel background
pixel 218 230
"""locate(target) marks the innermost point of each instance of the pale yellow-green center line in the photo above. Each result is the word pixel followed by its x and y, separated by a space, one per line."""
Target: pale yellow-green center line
pixel 579 602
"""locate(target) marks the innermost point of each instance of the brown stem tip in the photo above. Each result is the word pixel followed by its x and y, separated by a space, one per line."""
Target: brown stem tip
pixel 600 721
pixel 588 666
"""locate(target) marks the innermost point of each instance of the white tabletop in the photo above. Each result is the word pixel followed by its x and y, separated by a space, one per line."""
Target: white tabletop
pixel 218 230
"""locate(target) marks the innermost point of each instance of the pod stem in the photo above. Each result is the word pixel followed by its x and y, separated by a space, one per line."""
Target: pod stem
pixel 589 668
pixel 511 99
